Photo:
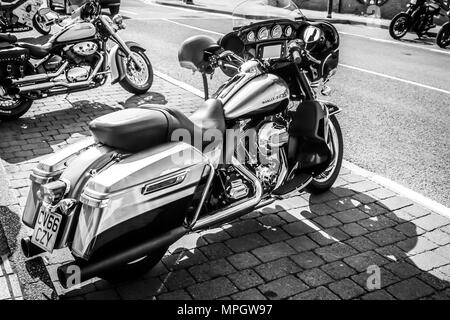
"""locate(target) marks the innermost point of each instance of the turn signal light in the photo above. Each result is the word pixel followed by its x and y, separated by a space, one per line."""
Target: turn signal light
pixel 52 192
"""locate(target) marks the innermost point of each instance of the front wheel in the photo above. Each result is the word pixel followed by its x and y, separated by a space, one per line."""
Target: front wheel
pixel 443 36
pixel 137 80
pixel 39 23
pixel 326 179
pixel 12 108
pixel 399 25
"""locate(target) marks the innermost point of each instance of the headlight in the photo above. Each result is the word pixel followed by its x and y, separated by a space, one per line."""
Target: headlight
pixel 118 20
pixel 263 33
pixel 52 192
pixel 277 32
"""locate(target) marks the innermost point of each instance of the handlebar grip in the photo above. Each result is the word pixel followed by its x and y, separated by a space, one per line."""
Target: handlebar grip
pixel 296 56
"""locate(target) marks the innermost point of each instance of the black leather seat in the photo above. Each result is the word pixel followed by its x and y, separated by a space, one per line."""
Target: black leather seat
pixel 36 50
pixel 137 129
pixel 7 37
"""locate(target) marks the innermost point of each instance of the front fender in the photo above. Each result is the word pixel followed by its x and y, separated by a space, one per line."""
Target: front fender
pixel 332 108
pixel 115 60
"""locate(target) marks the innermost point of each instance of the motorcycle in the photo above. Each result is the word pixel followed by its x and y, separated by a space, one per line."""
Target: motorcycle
pixel 443 36
pixel 76 58
pixel 23 15
pixel 151 175
pixel 417 18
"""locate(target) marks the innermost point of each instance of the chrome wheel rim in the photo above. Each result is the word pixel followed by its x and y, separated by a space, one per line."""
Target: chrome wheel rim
pixel 41 21
pixel 137 77
pixel 399 26
pixel 333 144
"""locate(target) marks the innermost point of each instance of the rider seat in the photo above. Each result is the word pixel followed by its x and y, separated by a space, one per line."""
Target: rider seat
pixel 7 37
pixel 136 129
pixel 37 51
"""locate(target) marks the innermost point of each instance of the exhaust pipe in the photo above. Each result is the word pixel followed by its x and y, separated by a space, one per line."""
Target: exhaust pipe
pixel 67 273
pixel 29 249
pixel 40 77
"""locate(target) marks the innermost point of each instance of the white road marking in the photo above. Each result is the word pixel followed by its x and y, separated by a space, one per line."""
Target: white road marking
pixel 129 12
pixel 392 185
pixel 395 78
pixel 395 42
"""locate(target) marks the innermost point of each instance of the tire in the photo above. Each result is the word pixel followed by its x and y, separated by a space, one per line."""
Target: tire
pixel 134 269
pixel 131 85
pixel 38 27
pixel 324 181
pixel 20 108
pixel 443 36
pixel 114 10
pixel 402 16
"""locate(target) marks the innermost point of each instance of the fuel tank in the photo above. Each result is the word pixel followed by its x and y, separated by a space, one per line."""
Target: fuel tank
pixel 75 32
pixel 245 96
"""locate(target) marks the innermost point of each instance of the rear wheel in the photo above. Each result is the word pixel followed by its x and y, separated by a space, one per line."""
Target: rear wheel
pixel 399 25
pixel 443 36
pixel 137 80
pixel 13 107
pixel 39 23
pixel 326 179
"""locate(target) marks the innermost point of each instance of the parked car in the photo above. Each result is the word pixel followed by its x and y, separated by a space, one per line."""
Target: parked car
pixel 64 5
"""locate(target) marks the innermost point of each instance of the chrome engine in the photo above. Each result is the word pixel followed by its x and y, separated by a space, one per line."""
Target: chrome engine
pixel 85 48
pixel 78 73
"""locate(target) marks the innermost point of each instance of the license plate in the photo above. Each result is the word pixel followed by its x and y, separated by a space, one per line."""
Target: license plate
pixel 46 229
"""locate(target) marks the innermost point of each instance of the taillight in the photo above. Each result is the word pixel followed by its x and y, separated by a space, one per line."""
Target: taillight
pixel 51 193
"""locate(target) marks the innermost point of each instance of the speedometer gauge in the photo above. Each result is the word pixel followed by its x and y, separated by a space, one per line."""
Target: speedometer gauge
pixel 251 36
pixel 277 32
pixel 288 31
pixel 263 33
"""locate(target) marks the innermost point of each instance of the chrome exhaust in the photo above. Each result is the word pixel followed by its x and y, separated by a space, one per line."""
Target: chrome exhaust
pixel 41 77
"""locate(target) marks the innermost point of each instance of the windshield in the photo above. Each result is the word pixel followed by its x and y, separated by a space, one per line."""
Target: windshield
pixel 251 11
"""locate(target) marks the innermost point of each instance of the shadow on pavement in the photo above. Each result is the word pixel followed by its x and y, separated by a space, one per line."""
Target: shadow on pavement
pixel 343 242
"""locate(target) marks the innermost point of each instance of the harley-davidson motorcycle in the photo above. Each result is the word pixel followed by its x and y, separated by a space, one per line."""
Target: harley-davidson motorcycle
pixel 418 17
pixel 151 175
pixel 23 15
pixel 77 58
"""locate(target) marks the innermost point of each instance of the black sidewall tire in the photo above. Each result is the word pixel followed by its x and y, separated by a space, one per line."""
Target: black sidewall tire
pixel 445 29
pixel 391 25
pixel 130 86
pixel 38 27
pixel 17 112
pixel 316 187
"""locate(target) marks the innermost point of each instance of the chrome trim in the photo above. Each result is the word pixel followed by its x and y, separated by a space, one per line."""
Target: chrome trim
pixel 284 171
pixel 179 177
pixel 41 77
pixel 236 208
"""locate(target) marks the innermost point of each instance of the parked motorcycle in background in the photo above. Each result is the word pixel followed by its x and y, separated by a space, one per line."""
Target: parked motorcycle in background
pixel 151 175
pixel 23 15
pixel 443 36
pixel 74 59
pixel 417 18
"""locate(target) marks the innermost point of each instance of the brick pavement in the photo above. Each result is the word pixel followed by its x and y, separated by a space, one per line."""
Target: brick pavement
pixel 304 247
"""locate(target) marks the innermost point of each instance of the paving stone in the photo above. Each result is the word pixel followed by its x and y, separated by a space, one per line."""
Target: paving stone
pixel 399 216
pixel 417 211
pixel 215 235
pixel 385 236
pixel 319 293
pixel 146 288
pixel 102 295
pixel 4 290
pixel 275 235
pixel 377 223
pixel 307 260
pixel 241 228
pixel 177 279
pixel 381 193
pixel 439 237
pixel 314 277
pixel 184 259
pixel 361 244
pixel 245 279
pixel 328 236
pixel 395 203
pixel 346 289
pixel 216 251
pixel 366 279
pixel 271 220
pixel 273 251
pixel 403 269
pixel 354 229
pixel 409 229
pixel 277 269
pixel 335 252
pixel 352 178
pixel 410 289
pixel 377 295
pixel 251 294
pixel 246 243
pixel 211 269
pixel 363 186
pixel 351 215
pixel 321 209
pixel 298 228
pixel 436 279
pixel 212 289
pixel 343 192
pixel 431 221
pixel 283 288
pixel 342 204
pixel 416 245
pixel 373 209
pixel 302 243
pixel 322 197
pixel 243 260
pixel 175 295
pixel 443 251
pixel 327 221
pixel 445 229
pixel 338 270
pixel 429 260
pixel 364 198
pixel 362 261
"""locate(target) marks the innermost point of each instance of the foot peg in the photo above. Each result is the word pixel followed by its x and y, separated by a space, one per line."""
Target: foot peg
pixel 298 182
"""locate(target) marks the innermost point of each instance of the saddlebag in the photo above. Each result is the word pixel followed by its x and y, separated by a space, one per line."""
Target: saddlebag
pixel 13 61
pixel 308 132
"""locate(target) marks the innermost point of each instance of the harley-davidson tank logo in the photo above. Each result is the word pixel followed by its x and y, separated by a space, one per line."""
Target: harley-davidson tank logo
pixel 276 98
